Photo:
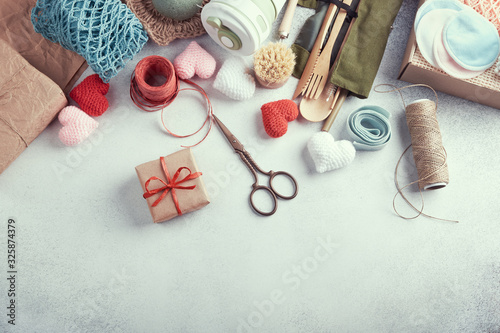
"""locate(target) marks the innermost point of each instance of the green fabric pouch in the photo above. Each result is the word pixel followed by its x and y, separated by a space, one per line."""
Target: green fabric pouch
pixel 363 50
pixel 307 36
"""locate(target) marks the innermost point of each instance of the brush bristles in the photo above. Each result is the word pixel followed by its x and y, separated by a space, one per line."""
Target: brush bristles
pixel 274 63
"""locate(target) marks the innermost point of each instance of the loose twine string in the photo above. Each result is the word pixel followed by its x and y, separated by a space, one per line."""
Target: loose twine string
pixel 428 151
pixel 150 97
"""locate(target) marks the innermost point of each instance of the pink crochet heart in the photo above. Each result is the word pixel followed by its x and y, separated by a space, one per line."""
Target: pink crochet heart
pixel 194 60
pixel 276 116
pixel 77 125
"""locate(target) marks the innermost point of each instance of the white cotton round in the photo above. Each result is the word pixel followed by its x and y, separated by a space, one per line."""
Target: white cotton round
pixel 430 25
pixel 431 5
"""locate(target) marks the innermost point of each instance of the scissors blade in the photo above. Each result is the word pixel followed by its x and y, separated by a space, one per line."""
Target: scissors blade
pixel 229 136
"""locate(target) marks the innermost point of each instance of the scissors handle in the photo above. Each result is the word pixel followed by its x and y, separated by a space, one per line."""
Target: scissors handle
pixel 273 174
pixel 271 193
pixel 271 190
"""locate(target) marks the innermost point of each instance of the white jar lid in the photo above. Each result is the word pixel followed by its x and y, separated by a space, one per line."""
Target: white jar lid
pixel 239 26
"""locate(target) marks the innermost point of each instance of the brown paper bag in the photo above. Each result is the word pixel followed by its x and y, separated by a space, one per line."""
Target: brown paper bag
pixel 29 101
pixel 64 67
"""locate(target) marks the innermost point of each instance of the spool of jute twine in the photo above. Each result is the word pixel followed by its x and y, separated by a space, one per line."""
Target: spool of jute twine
pixel 429 153
pixel 427 145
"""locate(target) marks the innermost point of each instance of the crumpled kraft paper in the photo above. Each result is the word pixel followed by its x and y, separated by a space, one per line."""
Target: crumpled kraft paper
pixel 29 101
pixel 64 67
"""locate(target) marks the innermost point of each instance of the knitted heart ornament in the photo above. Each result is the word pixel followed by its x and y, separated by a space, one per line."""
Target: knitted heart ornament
pixel 234 81
pixel 329 154
pixel 194 60
pixel 276 116
pixel 89 95
pixel 77 126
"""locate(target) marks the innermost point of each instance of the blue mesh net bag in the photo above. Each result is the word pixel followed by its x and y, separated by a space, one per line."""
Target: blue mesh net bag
pixel 105 32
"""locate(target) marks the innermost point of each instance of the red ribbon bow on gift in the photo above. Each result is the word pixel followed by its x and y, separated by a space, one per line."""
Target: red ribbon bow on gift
pixel 171 184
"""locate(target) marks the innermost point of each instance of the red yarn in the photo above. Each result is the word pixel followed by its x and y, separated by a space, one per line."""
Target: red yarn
pixel 150 96
pixel 276 116
pixel 89 95
pixel 145 92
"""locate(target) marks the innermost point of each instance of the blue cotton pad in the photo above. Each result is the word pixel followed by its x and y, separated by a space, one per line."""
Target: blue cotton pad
pixel 431 24
pixel 431 5
pixel 471 40
pixel 447 64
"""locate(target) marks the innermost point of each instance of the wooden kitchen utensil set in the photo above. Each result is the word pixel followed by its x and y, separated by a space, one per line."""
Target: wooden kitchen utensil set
pixel 319 95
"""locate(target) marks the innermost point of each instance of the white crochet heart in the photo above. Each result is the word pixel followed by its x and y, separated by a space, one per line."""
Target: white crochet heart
pixel 329 154
pixel 234 81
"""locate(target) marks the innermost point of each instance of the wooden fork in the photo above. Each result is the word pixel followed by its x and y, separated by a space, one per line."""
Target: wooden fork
pixel 315 52
pixel 320 73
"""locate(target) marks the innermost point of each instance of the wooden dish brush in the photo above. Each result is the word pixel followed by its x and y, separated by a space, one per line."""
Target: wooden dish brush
pixel 273 65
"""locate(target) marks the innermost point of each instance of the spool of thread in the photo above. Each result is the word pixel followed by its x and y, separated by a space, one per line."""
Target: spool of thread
pixel 154 85
pixel 427 145
pixel 428 151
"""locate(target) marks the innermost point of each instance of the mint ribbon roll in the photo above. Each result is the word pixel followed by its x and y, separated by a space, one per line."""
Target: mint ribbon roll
pixel 369 127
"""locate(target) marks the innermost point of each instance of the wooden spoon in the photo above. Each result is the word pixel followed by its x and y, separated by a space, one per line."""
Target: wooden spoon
pixel 318 109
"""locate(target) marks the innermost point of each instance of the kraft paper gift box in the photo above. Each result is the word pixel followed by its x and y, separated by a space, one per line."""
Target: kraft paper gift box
pixel 29 101
pixel 188 199
pixel 483 89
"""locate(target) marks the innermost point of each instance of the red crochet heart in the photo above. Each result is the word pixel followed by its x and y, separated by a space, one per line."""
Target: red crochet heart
pixel 89 95
pixel 276 116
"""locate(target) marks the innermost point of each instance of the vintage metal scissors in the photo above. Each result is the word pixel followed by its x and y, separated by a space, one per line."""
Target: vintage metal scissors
pixel 254 168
